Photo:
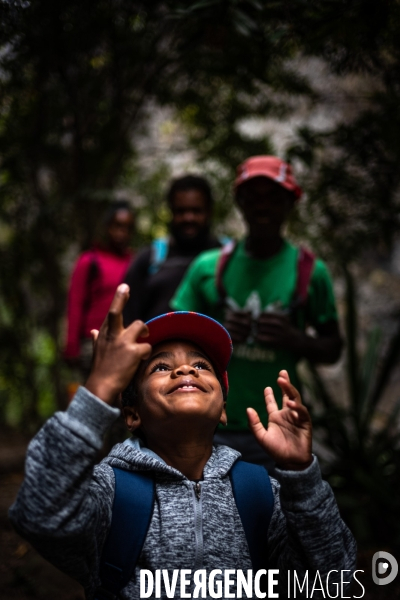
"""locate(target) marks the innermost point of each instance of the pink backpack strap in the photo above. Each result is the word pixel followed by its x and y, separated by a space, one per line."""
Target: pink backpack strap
pixel 223 260
pixel 305 266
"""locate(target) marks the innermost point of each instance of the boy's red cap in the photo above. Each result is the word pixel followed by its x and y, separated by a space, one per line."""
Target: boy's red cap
pixel 203 331
pixel 268 166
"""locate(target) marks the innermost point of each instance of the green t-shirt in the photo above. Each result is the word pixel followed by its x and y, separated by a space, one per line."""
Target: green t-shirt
pixel 255 285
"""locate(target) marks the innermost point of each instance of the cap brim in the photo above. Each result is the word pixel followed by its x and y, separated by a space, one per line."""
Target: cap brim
pixel 199 329
pixel 294 189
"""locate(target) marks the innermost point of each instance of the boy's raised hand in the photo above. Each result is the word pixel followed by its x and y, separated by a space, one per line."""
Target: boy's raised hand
pixel 288 437
pixel 116 354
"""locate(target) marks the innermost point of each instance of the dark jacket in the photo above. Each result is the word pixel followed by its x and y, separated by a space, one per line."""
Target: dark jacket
pixel 151 292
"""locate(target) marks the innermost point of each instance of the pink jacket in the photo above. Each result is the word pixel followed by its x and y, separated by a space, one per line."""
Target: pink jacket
pixel 95 277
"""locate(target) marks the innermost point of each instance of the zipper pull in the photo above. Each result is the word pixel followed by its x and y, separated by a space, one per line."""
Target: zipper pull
pixel 197 489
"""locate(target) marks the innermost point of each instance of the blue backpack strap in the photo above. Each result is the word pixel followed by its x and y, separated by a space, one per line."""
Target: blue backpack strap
pixel 131 515
pixel 254 499
pixel 224 239
pixel 159 251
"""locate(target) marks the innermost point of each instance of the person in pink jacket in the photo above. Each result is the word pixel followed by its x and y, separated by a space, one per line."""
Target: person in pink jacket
pixel 95 277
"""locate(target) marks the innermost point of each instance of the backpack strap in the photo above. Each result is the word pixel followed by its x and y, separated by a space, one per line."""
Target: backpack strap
pixel 159 252
pixel 92 274
pixel 226 253
pixel 131 514
pixel 223 240
pixel 254 499
pixel 94 267
pixel 134 495
pixel 305 266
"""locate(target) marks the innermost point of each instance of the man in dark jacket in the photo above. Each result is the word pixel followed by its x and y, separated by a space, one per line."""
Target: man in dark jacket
pixel 158 269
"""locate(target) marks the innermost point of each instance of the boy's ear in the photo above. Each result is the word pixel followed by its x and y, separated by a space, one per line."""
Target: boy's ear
pixel 132 418
pixel 223 418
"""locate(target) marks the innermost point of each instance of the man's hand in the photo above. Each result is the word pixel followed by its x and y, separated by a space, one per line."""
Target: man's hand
pixel 288 438
pixel 117 354
pixel 278 332
pixel 238 323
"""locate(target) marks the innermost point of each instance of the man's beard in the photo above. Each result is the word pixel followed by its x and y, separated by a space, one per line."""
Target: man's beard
pixel 192 242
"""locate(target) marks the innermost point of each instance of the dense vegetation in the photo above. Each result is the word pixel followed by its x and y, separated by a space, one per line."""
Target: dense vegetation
pixel 78 83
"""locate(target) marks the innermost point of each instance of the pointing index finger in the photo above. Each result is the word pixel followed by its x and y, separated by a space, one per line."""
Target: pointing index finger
pixel 114 317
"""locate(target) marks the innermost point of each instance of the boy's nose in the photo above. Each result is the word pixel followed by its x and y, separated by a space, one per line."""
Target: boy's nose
pixel 186 370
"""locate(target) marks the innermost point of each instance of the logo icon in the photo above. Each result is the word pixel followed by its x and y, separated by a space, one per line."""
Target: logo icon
pixel 385 564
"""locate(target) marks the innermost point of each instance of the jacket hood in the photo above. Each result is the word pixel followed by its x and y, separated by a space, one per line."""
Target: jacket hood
pixel 132 455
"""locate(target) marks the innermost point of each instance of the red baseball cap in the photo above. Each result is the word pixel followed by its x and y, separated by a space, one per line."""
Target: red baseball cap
pixel 268 166
pixel 203 331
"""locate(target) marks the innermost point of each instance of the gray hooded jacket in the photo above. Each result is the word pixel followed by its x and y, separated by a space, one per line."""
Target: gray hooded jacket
pixel 64 509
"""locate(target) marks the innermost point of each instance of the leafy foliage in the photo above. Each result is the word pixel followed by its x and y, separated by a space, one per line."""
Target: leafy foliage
pixel 77 83
pixel 360 454
pixel 76 80
pixel 352 170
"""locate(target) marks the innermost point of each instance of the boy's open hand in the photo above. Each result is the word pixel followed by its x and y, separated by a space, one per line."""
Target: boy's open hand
pixel 117 354
pixel 288 437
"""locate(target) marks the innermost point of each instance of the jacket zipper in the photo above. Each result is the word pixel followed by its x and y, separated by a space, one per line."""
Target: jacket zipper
pixel 198 525
pixel 197 490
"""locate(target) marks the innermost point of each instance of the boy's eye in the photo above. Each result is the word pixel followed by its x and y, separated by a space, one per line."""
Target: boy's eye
pixel 159 367
pixel 200 364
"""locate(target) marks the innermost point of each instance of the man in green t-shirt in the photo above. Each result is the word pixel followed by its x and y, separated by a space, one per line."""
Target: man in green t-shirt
pixel 255 298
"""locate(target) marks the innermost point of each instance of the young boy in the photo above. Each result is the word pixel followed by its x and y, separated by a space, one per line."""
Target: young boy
pixel 176 396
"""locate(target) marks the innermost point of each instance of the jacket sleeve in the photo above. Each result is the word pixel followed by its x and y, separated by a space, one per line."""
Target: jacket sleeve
pixel 307 535
pixel 63 508
pixel 77 296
